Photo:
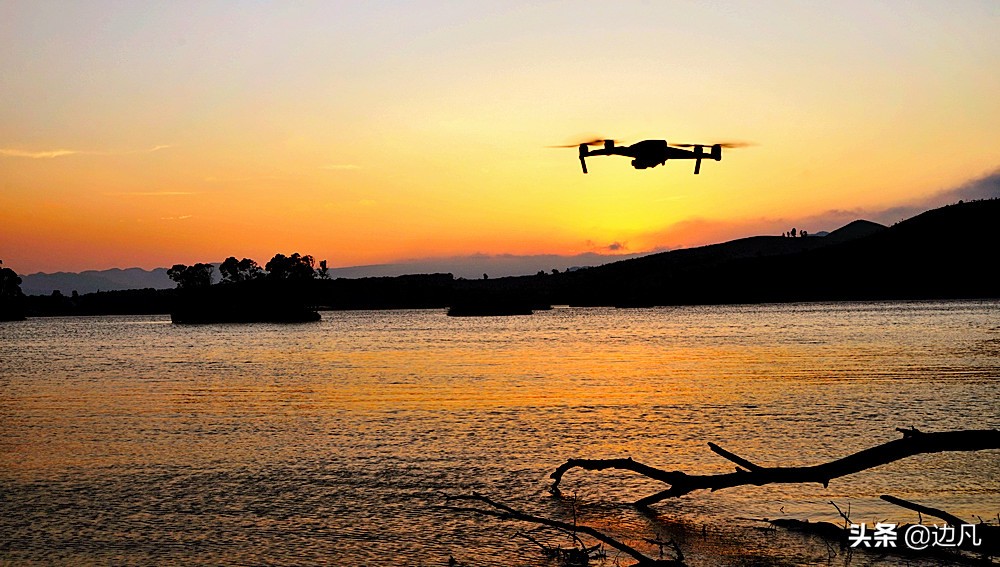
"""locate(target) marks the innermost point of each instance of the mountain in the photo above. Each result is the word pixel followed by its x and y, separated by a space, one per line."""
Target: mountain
pixel 93 280
pixel 470 266
pixel 853 230
pixel 948 252
pixel 473 266
pixel 942 253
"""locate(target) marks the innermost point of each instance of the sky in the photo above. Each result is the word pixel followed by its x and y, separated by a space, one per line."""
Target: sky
pixel 153 133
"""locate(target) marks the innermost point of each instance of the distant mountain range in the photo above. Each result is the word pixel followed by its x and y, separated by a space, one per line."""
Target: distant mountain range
pixel 949 252
pixel 95 280
pixel 471 266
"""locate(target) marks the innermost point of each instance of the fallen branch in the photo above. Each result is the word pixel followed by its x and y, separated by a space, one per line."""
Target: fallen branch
pixel 914 442
pixel 949 518
pixel 989 535
pixel 504 512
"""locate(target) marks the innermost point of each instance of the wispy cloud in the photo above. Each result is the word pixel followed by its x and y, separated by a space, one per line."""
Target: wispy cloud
pixel 616 247
pixel 340 167
pixel 146 151
pixel 216 179
pixel 182 217
pixel 49 154
pixel 702 231
pixel 149 193
pixel 43 154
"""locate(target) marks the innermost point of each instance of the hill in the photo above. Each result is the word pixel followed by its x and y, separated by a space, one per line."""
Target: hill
pixel 942 253
pixel 469 266
pixel 92 281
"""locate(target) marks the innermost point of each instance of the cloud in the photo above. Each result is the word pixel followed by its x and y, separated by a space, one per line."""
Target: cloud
pixel 215 179
pixel 44 154
pixel 986 187
pixel 182 217
pixel 150 193
pixel 340 167
pixel 702 231
pixel 602 248
pixel 49 154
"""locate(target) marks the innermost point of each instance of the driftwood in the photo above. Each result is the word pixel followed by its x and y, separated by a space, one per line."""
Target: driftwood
pixel 914 442
pixel 920 509
pixel 504 512
pixel 984 541
pixel 988 535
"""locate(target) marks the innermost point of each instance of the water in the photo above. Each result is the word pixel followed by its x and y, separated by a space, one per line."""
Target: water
pixel 129 440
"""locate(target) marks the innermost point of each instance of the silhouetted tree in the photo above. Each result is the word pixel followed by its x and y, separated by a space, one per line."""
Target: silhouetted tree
pixel 11 296
pixel 10 283
pixel 323 272
pixel 189 277
pixel 294 267
pixel 239 271
pixel 793 233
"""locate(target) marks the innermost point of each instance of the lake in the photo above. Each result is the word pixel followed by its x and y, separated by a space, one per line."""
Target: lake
pixel 129 440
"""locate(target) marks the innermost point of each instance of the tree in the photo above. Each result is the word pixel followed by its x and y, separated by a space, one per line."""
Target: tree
pixel 11 296
pixel 189 277
pixel 239 271
pixel 10 283
pixel 324 271
pixel 294 267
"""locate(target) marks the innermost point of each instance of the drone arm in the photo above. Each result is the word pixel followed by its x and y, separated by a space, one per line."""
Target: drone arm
pixel 583 157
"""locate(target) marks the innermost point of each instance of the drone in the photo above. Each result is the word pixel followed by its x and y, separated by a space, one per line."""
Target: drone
pixel 651 153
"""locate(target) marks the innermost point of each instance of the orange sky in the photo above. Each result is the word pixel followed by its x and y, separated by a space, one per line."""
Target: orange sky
pixel 147 134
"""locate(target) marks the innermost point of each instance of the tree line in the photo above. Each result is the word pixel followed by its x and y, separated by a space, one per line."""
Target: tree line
pixel 296 267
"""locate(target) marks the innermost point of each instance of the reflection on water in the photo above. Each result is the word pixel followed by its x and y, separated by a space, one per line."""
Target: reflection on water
pixel 131 440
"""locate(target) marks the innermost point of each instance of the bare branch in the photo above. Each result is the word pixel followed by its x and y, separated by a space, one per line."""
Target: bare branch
pixel 846 517
pixel 953 520
pixel 914 442
pixel 733 457
pixel 505 512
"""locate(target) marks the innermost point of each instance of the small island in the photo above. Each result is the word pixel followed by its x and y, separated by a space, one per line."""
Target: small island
pixel 247 293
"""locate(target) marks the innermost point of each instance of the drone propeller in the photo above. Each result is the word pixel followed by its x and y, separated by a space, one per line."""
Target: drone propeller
pixel 722 144
pixel 594 142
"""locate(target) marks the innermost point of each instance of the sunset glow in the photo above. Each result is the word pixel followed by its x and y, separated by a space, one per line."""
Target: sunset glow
pixel 146 134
